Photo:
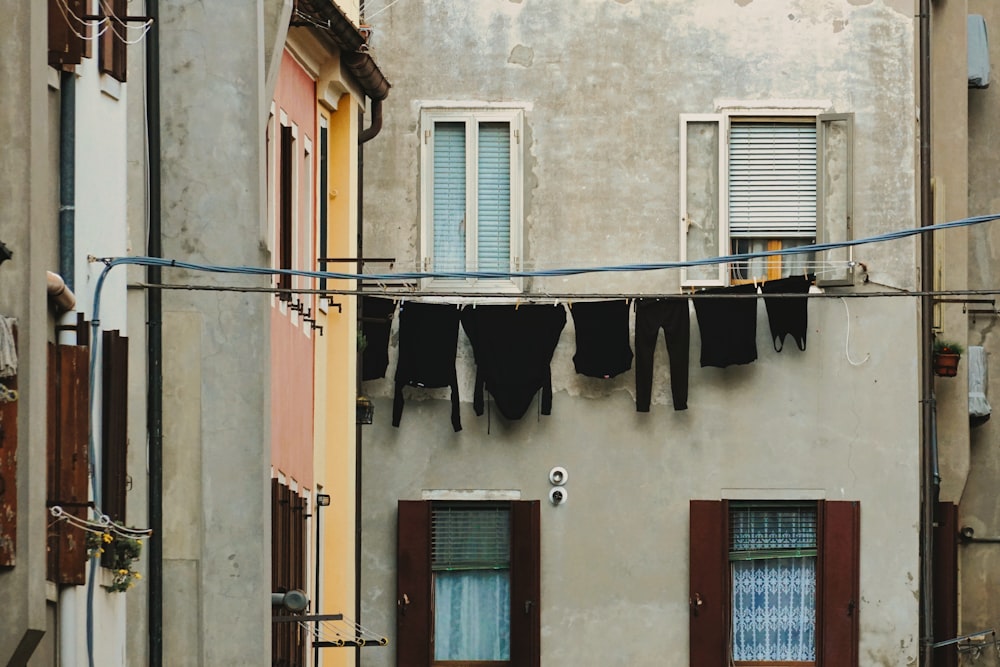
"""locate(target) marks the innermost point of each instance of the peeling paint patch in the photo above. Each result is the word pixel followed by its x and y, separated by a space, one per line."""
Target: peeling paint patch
pixel 860 2
pixel 742 3
pixel 623 2
pixel 521 55
pixel 839 25
pixel 517 2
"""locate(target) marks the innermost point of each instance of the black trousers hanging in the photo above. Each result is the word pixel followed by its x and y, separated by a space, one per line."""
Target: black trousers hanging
pixel 673 317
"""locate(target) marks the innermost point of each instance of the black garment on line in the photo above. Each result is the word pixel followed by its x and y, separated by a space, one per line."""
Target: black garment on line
pixel 513 347
pixel 673 317
pixel 376 322
pixel 602 348
pixel 787 315
pixel 428 339
pixel 728 327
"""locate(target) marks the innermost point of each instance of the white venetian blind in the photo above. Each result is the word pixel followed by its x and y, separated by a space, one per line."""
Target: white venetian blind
pixel 449 197
pixel 772 180
pixel 493 210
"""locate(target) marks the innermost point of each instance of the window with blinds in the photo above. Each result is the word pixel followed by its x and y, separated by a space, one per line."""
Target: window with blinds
pixel 470 568
pixel 772 552
pixel 772 179
pixel 471 171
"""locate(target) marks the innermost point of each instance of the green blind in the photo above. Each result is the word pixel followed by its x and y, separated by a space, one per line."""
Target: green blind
pixel 465 538
pixel 772 179
pixel 771 530
pixel 493 208
pixel 449 196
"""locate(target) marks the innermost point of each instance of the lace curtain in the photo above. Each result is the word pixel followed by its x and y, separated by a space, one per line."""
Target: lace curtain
pixel 774 609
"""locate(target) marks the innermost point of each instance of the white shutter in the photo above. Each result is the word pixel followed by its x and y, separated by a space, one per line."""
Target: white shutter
pixel 449 196
pixel 702 182
pixel 772 180
pixel 493 187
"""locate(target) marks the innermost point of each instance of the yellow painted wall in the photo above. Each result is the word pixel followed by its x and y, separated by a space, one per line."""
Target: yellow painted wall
pixel 336 359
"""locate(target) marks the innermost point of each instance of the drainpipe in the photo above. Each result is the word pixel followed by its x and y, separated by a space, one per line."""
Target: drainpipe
pixel 154 369
pixel 363 137
pixel 68 622
pixel 930 480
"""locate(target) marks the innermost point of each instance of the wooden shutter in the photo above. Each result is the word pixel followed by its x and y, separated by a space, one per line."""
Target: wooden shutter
pixel 8 474
pixel 525 583
pixel 946 583
pixel 113 49
pixel 709 584
pixel 67 460
pixel 66 47
pixel 413 583
pixel 114 425
pixel 493 197
pixel 286 209
pixel 839 583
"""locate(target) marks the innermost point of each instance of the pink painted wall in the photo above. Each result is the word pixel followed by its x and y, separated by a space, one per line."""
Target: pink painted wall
pixel 291 338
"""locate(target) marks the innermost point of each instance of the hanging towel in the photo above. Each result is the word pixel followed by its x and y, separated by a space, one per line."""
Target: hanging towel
pixel 728 327
pixel 787 315
pixel 513 347
pixel 979 407
pixel 674 317
pixel 602 347
pixel 376 322
pixel 8 349
pixel 428 338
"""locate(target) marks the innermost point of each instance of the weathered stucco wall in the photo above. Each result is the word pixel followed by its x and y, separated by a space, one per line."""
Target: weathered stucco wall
pixel 216 569
pixel 603 84
pixel 979 509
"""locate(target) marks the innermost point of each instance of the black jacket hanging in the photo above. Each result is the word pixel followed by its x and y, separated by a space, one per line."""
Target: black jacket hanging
pixel 513 347
pixel 376 322
pixel 428 338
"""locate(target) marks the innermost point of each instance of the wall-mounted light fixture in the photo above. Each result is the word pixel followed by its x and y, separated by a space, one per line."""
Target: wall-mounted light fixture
pixel 365 410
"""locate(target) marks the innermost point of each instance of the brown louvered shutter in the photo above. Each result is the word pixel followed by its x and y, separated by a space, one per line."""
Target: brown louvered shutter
pixel 66 47
pixel 114 425
pixel 946 583
pixel 525 583
pixel 113 49
pixel 839 583
pixel 8 475
pixel 67 461
pixel 285 219
pixel 413 584
pixel 709 583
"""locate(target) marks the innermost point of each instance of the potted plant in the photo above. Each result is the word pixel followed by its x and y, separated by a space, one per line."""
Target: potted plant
pixel 946 356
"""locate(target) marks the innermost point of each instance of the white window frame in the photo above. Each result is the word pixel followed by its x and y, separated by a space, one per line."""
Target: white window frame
pixel 471 116
pixel 723 121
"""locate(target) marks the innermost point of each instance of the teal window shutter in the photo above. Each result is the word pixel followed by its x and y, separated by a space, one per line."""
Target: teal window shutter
pixel 449 197
pixel 493 210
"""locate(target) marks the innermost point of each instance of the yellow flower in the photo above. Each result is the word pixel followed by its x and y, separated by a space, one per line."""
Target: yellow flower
pixel 123 572
pixel 139 542
pixel 137 575
pixel 107 537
